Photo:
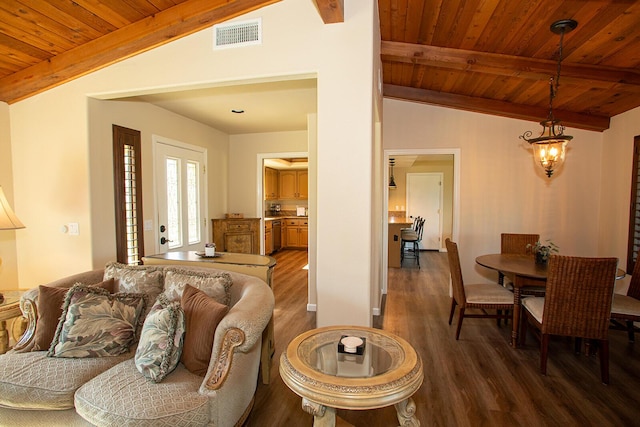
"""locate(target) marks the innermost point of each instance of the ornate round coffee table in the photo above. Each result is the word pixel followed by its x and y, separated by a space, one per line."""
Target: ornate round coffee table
pixel 388 372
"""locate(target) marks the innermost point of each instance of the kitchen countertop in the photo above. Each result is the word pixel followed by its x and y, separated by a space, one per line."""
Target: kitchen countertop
pixel 396 220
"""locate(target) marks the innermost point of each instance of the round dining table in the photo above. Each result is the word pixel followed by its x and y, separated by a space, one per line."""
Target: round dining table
pixel 526 272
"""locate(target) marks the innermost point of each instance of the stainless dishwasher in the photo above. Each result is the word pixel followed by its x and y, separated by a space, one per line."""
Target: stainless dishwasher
pixel 276 233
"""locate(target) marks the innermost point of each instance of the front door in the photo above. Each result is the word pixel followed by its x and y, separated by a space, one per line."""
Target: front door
pixel 180 190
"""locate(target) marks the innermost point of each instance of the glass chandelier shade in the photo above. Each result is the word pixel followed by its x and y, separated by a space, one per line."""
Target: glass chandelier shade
pixel 550 147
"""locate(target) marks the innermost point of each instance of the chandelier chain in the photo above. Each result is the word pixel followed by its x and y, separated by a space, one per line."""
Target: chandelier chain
pixel 553 89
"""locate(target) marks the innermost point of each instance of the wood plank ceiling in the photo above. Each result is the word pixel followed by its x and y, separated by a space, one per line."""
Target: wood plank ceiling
pixel 489 56
pixel 496 56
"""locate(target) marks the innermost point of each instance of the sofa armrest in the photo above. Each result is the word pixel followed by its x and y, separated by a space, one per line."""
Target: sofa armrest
pixel 233 338
pixel 241 328
pixel 29 304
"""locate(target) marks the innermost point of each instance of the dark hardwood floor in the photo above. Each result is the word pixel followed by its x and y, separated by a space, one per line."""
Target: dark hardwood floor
pixel 476 381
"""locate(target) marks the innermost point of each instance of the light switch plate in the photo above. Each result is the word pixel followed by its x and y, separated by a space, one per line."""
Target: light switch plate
pixel 148 225
pixel 74 229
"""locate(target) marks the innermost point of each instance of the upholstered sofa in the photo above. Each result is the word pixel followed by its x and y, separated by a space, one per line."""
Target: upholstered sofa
pixel 73 383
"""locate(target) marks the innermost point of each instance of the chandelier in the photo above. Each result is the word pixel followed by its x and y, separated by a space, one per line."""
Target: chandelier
pixel 549 147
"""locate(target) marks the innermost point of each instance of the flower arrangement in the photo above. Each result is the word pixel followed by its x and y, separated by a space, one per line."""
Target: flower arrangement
pixel 543 252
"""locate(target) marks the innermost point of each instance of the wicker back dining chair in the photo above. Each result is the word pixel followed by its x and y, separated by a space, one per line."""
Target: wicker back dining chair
pixel 577 304
pixel 626 308
pixel 512 243
pixel 484 296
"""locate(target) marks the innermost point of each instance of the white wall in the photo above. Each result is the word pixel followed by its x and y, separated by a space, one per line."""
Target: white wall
pixel 501 190
pixel 50 139
pixel 617 159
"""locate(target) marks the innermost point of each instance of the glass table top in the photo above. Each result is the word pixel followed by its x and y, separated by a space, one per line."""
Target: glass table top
pixel 321 353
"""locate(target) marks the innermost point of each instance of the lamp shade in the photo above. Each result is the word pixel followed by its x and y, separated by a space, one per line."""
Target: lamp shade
pixel 8 219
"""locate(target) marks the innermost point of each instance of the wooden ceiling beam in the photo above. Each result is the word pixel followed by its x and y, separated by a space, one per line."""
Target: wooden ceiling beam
pixel 495 107
pixel 506 65
pixel 331 11
pixel 153 31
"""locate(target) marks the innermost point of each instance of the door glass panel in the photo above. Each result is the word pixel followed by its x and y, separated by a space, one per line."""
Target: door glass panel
pixel 181 199
pixel 174 222
pixel 193 203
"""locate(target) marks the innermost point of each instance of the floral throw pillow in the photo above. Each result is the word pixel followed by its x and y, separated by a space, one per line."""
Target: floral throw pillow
pixel 136 278
pixel 50 302
pixel 214 284
pixel 95 323
pixel 160 344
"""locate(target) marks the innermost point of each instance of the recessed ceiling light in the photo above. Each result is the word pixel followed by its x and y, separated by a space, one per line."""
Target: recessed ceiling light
pixel 237 111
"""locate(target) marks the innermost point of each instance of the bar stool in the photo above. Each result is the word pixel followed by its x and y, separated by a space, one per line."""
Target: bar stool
pixel 414 238
pixel 409 231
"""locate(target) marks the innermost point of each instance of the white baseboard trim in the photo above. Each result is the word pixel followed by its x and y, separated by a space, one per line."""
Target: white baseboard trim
pixel 312 307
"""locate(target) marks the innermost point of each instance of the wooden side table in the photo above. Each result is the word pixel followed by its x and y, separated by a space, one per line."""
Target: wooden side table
pixel 10 309
pixel 387 373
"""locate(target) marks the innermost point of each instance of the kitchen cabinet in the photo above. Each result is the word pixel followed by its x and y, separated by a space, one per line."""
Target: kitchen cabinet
pixel 238 235
pixel 271 190
pixel 268 237
pixel 293 184
pixel 296 233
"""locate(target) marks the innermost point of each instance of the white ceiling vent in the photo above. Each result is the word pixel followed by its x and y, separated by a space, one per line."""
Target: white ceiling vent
pixel 236 34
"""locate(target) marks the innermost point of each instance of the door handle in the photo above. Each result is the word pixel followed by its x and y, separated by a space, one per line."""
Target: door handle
pixel 164 241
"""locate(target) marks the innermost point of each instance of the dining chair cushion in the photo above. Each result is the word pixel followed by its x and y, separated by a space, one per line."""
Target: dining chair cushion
pixel 487 294
pixel 623 304
pixel 535 306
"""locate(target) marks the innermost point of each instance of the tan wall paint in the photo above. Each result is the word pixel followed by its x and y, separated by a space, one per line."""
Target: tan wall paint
pixel 49 133
pixel 149 120
pixel 8 255
pixel 49 142
pixel 501 190
pixel 243 160
pixel 398 197
pixel 617 159
pixel 378 217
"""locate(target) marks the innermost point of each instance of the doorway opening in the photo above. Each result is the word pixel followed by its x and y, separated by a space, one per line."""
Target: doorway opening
pixel 444 161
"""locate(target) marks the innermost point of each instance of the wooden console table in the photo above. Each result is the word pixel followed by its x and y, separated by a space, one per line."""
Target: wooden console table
pixel 238 235
pixel 259 266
